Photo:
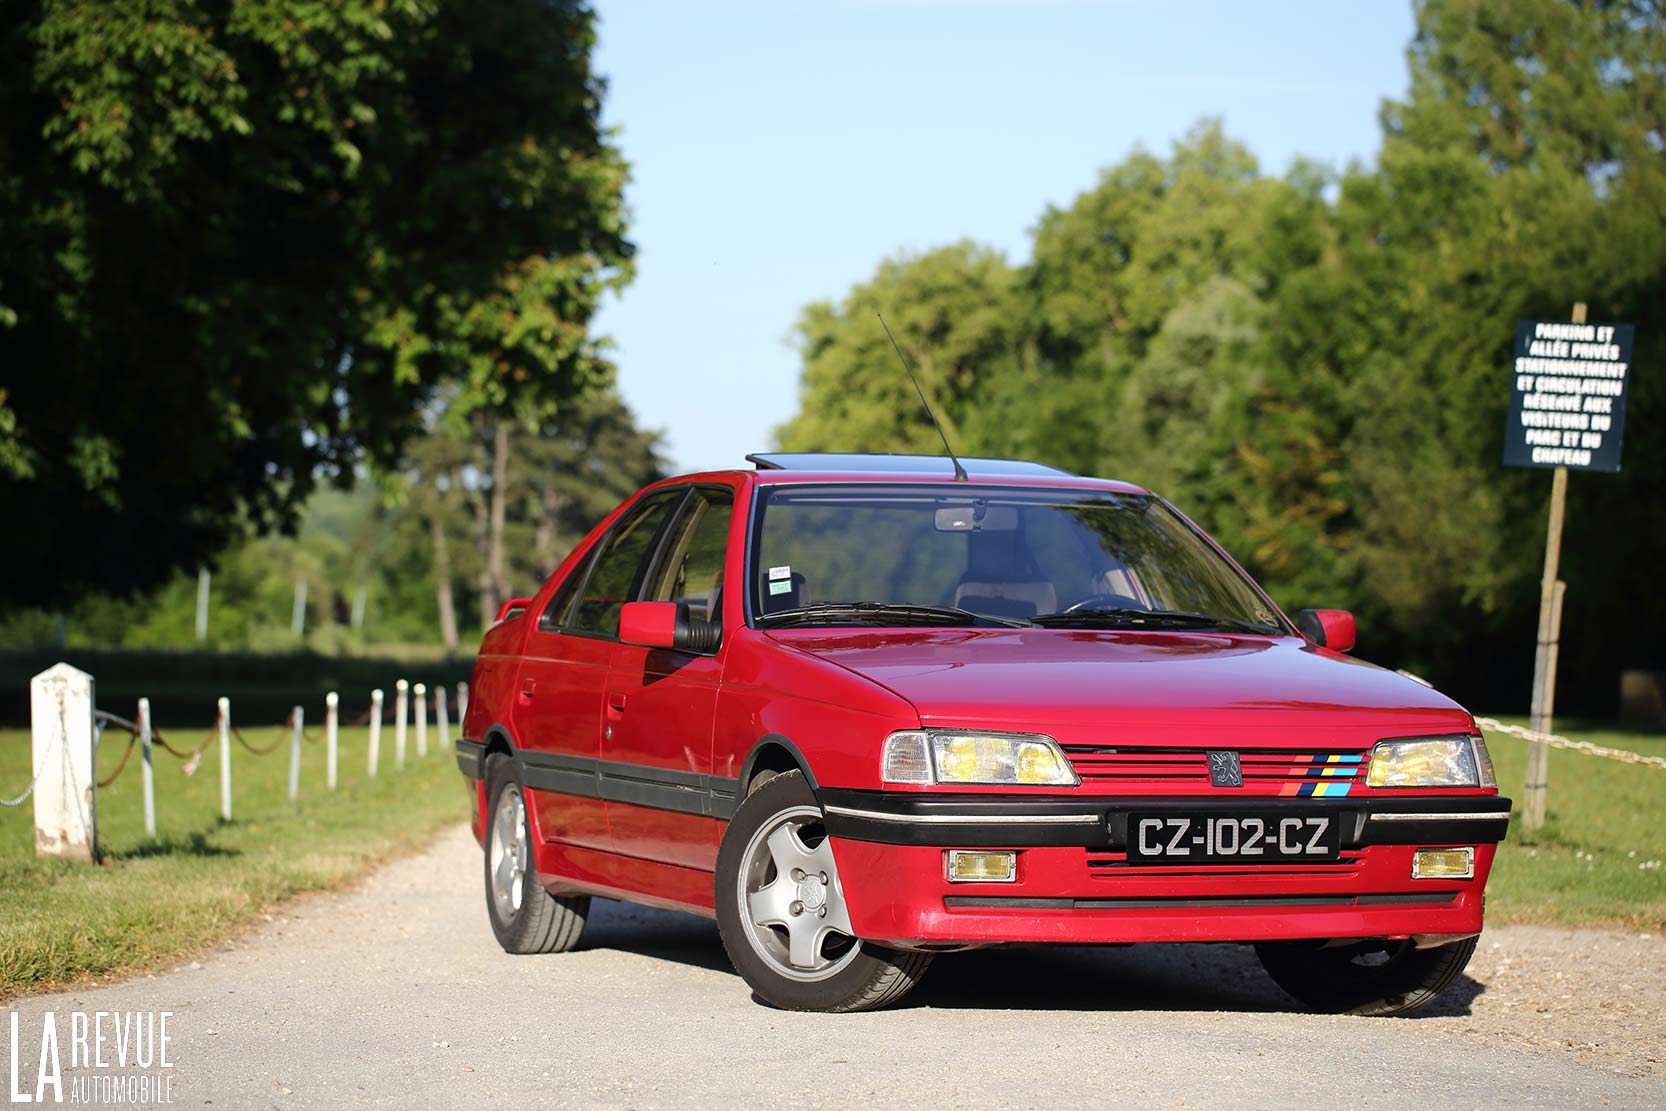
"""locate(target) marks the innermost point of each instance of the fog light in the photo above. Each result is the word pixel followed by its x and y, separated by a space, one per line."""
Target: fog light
pixel 1443 864
pixel 960 866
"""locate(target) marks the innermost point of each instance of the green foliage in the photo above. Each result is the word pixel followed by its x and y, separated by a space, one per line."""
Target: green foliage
pixel 245 245
pixel 953 312
pixel 1316 365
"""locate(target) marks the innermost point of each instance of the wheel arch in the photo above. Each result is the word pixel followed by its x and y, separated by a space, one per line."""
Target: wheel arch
pixel 496 741
pixel 773 754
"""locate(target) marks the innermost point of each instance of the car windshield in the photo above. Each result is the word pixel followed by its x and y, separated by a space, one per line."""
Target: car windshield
pixel 911 555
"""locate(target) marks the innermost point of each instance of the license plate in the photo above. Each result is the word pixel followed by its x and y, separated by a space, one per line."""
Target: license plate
pixel 1233 838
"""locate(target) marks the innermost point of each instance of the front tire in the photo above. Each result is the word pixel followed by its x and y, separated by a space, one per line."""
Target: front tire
pixel 1366 978
pixel 525 917
pixel 781 910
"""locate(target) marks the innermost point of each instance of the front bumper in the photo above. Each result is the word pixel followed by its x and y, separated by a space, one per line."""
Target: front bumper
pixel 1075 884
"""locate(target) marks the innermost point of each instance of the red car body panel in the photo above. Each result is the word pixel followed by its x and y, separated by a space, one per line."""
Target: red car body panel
pixel 828 698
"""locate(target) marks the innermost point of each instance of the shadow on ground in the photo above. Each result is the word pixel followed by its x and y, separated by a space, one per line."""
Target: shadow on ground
pixel 1040 977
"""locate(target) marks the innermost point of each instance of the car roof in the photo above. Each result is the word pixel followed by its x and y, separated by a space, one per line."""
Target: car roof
pixel 777 468
pixel 895 463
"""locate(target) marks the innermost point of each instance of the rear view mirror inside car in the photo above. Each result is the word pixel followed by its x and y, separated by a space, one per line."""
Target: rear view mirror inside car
pixel 977 517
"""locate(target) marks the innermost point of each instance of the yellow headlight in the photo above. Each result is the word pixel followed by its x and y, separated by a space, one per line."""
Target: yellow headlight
pixel 1424 762
pixel 975 757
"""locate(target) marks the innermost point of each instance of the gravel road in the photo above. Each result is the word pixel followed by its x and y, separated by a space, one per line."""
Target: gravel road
pixel 396 995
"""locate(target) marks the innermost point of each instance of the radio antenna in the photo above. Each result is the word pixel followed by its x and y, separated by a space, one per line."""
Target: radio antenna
pixel 959 471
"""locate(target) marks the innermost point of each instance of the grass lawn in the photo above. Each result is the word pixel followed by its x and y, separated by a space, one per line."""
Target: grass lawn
pixel 151 902
pixel 1601 857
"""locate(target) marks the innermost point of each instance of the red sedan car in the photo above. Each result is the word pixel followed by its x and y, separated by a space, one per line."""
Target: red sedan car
pixel 863 711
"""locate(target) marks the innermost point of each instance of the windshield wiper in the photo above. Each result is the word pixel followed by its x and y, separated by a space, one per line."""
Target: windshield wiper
pixel 882 613
pixel 1123 617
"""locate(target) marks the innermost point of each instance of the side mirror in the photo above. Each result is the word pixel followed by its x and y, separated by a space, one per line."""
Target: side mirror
pixel 514 607
pixel 1333 629
pixel 667 625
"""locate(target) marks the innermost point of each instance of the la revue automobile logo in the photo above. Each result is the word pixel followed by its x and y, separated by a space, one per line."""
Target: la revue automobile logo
pixel 1225 769
pixel 91 1057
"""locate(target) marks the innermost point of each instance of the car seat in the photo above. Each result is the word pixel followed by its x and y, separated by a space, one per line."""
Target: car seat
pixel 1002 578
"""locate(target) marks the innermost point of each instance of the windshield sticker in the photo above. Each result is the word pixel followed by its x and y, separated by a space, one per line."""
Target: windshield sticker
pixel 1264 617
pixel 780 573
pixel 780 587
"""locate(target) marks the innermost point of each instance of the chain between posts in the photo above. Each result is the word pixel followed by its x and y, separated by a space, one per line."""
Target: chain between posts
pixel 1625 756
pixel 46 757
pixel 104 719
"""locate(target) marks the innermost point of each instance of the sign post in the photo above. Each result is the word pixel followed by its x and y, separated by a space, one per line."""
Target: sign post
pixel 1567 411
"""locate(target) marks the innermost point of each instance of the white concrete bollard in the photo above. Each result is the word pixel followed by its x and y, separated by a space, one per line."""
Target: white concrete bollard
pixel 330 736
pixel 401 714
pixel 440 718
pixel 295 754
pixel 375 730
pixel 462 704
pixel 421 692
pixel 66 785
pixel 149 779
pixel 225 759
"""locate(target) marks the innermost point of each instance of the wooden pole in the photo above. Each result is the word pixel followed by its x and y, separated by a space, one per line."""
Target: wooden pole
pixel 225 759
pixel 1545 653
pixel 298 617
pixel 149 780
pixel 375 730
pixel 330 737
pixel 441 719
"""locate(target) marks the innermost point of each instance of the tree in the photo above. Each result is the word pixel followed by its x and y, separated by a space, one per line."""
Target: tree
pixel 1317 365
pixel 952 311
pixel 243 245
pixel 501 504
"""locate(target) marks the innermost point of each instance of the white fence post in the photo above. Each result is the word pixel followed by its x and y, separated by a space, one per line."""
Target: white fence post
pixel 421 692
pixel 295 754
pixel 375 729
pixel 66 787
pixel 149 780
pixel 440 718
pixel 330 730
pixel 401 714
pixel 225 759
pixel 462 704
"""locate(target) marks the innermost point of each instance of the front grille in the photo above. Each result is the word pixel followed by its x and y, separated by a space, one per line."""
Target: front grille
pixel 1293 772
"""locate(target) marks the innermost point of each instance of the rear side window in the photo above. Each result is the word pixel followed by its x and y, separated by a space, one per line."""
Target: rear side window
pixel 555 614
pixel 618 571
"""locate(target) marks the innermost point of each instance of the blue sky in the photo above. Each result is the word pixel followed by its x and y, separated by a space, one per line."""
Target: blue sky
pixel 781 150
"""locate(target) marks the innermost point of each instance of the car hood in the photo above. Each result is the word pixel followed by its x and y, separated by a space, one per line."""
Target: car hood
pixel 1049 678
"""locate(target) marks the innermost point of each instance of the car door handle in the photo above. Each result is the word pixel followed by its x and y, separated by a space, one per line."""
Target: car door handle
pixel 528 686
pixel 616 703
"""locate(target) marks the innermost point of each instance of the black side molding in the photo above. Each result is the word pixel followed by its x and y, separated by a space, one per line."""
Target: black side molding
pixel 683 792
pixel 471 758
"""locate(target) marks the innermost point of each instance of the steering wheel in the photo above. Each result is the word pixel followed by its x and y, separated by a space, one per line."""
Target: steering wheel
pixel 1105 602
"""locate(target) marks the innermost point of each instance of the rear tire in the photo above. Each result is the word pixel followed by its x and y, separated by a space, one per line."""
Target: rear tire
pixel 780 906
pixel 1369 978
pixel 525 917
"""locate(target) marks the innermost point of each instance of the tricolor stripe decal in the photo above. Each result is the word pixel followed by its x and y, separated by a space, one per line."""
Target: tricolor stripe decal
pixel 1320 775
